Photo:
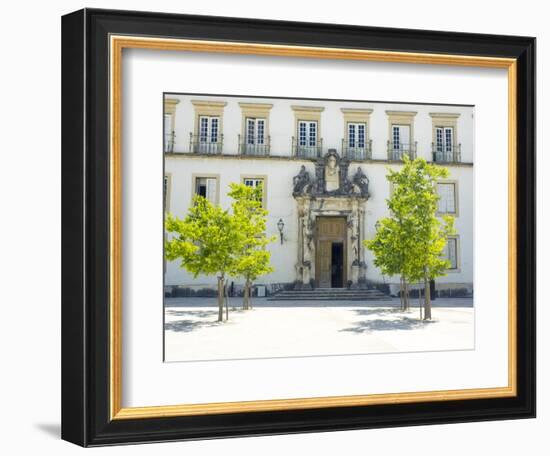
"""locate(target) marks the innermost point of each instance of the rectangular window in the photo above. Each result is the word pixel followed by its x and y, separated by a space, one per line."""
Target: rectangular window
pixel 256 182
pixel 165 190
pixel 396 138
pixel 401 137
pixel 207 187
pixel 253 181
pixel 356 135
pixel 168 133
pixel 209 129
pixel 444 139
pixel 447 198
pixel 451 253
pixel 255 131
pixel 448 139
pixel 214 121
pixel 307 133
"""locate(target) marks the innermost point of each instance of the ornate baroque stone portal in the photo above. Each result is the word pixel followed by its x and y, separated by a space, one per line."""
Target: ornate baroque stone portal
pixel 331 193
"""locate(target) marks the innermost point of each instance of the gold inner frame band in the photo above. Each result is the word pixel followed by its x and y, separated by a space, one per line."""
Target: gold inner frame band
pixel 117 44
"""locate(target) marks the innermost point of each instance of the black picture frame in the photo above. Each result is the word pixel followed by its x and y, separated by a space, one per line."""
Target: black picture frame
pixel 85 228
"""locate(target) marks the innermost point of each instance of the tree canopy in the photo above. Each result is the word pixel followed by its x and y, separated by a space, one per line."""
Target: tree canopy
pixel 411 240
pixel 249 218
pixel 211 240
pixel 204 241
pixel 252 259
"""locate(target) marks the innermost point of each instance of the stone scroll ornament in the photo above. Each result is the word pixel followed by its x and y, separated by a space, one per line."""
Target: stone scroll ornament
pixel 331 179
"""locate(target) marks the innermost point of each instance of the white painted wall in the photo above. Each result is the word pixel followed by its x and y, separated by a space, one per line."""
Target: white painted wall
pixel 181 166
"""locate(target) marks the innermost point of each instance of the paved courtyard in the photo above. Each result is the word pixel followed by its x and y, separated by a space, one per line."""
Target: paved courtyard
pixel 309 328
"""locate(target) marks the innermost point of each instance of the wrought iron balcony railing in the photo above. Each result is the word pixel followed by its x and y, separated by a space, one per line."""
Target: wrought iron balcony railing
pixel 255 146
pixel 396 151
pixel 206 144
pixel 446 154
pixel 311 149
pixel 355 152
pixel 169 141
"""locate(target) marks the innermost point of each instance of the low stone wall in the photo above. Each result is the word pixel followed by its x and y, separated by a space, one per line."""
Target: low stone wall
pixel 233 289
pixel 442 290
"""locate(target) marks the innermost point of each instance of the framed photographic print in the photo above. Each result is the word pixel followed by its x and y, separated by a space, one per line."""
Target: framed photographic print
pixel 278 227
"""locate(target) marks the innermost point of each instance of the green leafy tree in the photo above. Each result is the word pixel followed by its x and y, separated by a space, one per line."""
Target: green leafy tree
pixel 214 241
pixel 205 242
pixel 411 240
pixel 252 257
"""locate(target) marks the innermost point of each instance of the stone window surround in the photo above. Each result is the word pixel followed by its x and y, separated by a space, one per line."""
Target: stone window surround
pixel 256 111
pixel 306 113
pixel 168 177
pixel 401 118
pixel 442 181
pixel 356 115
pixel 458 258
pixel 208 108
pixel 166 196
pixel 444 119
pixel 170 109
pixel 455 182
pixel 264 186
pixel 196 176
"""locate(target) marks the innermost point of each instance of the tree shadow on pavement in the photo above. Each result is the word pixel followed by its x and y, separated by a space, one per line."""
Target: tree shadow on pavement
pixel 188 325
pixel 192 313
pixel 402 324
pixel 377 311
pixel 202 319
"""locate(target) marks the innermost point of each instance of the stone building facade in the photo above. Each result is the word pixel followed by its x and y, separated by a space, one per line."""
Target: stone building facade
pixel 322 167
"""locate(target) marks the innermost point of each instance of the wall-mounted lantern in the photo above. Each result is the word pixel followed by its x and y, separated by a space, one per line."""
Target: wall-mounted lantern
pixel 280 226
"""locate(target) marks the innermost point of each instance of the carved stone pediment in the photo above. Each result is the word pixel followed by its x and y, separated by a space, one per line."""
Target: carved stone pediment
pixel 331 179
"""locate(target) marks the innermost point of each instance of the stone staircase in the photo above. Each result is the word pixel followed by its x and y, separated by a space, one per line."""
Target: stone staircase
pixel 331 294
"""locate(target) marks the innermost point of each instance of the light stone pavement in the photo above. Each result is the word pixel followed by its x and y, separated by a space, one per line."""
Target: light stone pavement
pixel 312 328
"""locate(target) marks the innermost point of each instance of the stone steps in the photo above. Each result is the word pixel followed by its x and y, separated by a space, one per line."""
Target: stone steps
pixel 331 294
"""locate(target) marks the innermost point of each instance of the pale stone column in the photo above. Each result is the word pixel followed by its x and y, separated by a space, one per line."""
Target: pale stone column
pixel 362 264
pixel 353 234
pixel 305 256
pixel 300 252
pixel 309 248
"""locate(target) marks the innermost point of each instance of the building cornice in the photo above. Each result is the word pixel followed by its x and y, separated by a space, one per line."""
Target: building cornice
pixel 356 111
pixel 401 113
pixel 256 106
pixel 444 115
pixel 308 108
pixel 208 103
pixel 170 105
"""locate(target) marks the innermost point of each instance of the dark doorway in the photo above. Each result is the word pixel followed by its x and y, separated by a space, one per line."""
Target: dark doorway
pixel 337 265
pixel 330 252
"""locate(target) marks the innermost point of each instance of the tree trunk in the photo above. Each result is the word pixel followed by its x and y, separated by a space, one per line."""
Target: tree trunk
pixel 427 299
pixel 220 298
pixel 246 298
pixel 249 294
pixel 407 305
pixel 420 299
pixel 226 302
pixel 402 292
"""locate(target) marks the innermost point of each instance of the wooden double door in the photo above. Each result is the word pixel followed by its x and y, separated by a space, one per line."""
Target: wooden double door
pixel 331 249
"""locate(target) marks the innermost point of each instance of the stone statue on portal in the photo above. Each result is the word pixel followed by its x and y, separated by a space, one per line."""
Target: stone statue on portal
pixel 361 182
pixel 301 182
pixel 332 174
